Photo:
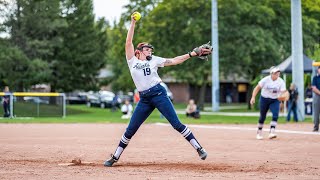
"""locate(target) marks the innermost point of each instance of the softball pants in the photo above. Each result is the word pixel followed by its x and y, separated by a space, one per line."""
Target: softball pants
pixel 265 105
pixel 316 111
pixel 155 97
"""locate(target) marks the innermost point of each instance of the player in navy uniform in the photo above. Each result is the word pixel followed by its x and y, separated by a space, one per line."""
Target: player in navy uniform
pixel 143 68
pixel 6 102
pixel 272 87
pixel 316 100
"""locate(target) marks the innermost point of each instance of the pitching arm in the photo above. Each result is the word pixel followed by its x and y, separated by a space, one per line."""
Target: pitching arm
pixel 129 44
pixel 178 59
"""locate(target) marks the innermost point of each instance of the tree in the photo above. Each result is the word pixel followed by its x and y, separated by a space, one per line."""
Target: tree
pixel 253 35
pixel 159 28
pixel 62 37
pixel 82 53
pixel 34 31
pixel 311 26
pixel 176 27
pixel 16 70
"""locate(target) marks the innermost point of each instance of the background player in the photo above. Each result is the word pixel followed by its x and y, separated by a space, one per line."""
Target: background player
pixel 272 87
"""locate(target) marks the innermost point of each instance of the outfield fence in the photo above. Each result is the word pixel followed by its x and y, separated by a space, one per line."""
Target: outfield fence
pixel 36 104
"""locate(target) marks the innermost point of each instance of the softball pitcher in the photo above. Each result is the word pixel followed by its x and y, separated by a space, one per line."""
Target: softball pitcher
pixel 143 67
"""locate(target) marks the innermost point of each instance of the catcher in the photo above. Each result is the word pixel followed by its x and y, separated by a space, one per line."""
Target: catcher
pixel 273 91
pixel 143 67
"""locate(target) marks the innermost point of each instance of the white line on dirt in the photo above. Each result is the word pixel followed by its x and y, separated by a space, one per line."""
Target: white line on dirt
pixel 244 129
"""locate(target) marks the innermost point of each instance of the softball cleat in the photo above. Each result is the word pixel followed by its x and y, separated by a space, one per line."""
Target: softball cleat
pixel 202 153
pixel 110 161
pixel 272 135
pixel 259 137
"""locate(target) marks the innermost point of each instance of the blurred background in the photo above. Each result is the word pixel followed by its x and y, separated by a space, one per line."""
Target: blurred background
pixel 71 46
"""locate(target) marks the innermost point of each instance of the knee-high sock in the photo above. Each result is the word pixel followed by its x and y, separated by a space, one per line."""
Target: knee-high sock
pixel 186 132
pixel 122 145
pixel 273 125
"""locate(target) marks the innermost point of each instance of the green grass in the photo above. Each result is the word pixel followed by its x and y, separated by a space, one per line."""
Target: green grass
pixel 83 114
pixel 24 109
pixel 236 108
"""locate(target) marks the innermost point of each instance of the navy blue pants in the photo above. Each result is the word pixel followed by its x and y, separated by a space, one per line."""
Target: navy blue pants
pixel 6 109
pixel 292 107
pixel 155 97
pixel 265 105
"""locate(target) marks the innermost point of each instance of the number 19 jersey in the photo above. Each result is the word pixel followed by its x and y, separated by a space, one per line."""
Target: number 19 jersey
pixel 145 73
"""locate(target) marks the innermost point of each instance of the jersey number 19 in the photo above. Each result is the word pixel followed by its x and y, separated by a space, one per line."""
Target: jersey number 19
pixel 147 71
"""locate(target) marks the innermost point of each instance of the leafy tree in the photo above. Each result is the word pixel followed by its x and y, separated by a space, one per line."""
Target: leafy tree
pixel 4 6
pixel 16 70
pixel 316 53
pixel 247 42
pixel 34 29
pixel 83 51
pixel 62 37
pixel 176 27
pixel 311 26
pixel 161 26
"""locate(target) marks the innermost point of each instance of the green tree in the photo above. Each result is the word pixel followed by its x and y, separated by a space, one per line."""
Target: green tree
pixel 62 37
pixel 35 27
pixel 82 54
pixel 311 26
pixel 161 26
pixel 316 53
pixel 176 27
pixel 255 35
pixel 16 70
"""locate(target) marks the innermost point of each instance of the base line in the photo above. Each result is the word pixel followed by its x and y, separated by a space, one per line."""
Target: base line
pixel 244 129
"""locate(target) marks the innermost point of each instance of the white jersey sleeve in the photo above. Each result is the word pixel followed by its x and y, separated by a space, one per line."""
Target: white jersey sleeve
pixel 130 61
pixel 160 61
pixel 262 82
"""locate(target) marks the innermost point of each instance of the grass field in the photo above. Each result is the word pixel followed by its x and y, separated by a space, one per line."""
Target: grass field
pixel 83 114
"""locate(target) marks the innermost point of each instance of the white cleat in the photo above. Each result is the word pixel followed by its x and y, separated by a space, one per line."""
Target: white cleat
pixel 272 135
pixel 259 137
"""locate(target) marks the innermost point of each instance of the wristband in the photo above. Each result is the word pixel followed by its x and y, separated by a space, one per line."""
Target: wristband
pixel 189 54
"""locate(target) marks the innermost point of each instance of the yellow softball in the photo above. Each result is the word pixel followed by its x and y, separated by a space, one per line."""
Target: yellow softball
pixel 136 16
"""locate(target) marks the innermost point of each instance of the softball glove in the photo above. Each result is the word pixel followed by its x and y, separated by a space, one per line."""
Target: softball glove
pixel 203 51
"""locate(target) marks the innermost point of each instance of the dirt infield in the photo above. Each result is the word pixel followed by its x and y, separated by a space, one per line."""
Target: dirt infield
pixel 34 151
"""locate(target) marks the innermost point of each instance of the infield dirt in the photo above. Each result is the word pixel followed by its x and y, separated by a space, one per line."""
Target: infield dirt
pixel 34 151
